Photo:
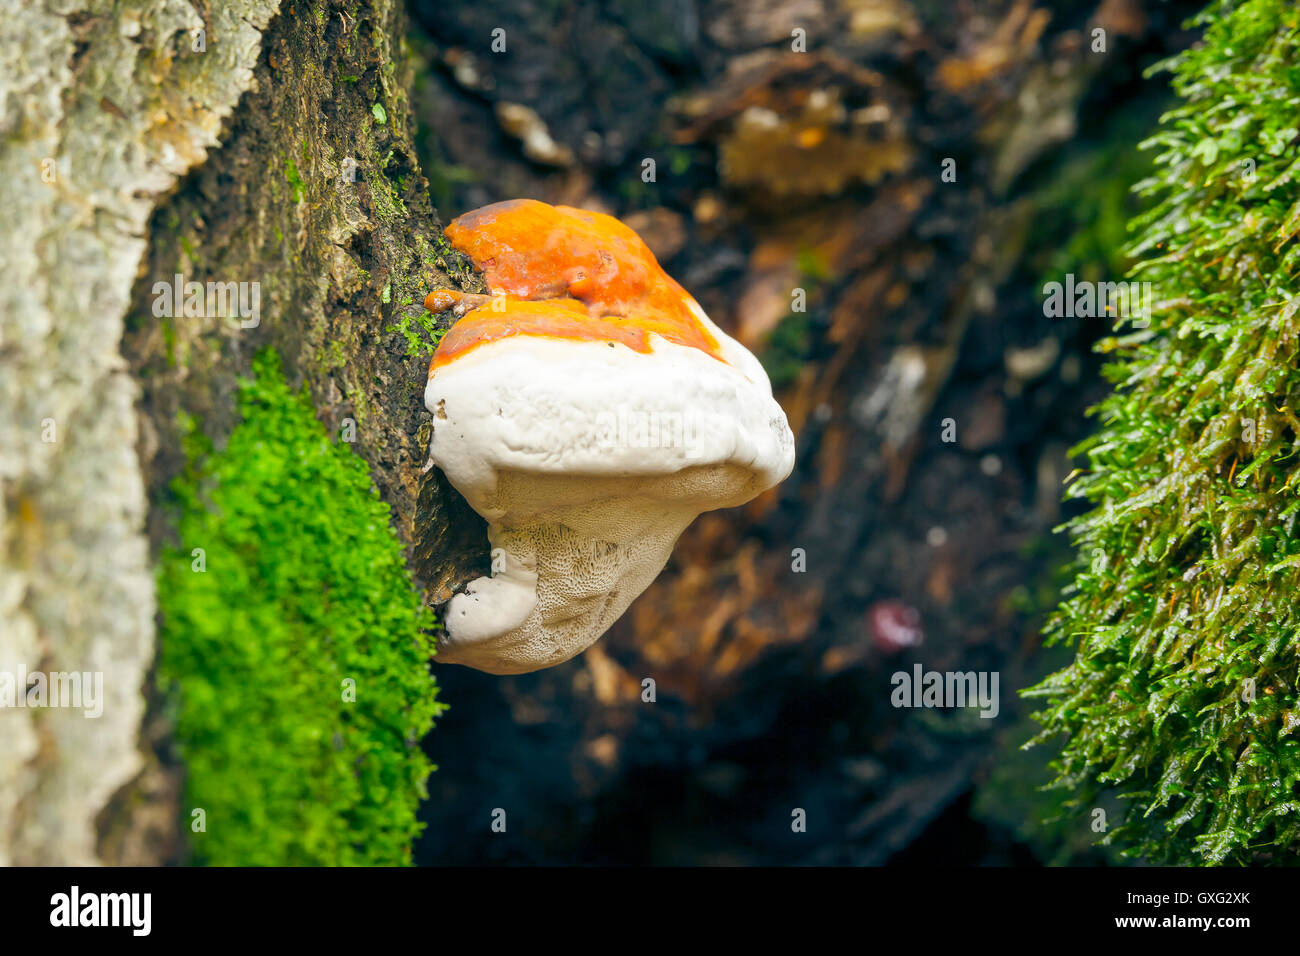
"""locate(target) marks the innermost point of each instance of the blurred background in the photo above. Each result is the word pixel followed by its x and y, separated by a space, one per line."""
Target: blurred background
pixel 919 168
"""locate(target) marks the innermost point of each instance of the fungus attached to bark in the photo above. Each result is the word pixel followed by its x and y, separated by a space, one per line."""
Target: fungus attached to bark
pixel 589 410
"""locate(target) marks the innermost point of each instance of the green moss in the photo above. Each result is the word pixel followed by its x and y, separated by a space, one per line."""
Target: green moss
pixel 1058 832
pixel 420 331
pixel 387 204
pixel 305 590
pixel 1185 688
pixel 363 406
pixel 788 349
pixel 793 342
pixel 295 180
pixel 1082 210
pixel 169 338
pixel 814 267
pixel 444 178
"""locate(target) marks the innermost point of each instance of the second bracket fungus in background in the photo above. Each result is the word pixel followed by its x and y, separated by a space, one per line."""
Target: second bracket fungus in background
pixel 589 410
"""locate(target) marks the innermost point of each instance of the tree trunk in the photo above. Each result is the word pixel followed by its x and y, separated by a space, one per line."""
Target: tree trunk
pixel 149 145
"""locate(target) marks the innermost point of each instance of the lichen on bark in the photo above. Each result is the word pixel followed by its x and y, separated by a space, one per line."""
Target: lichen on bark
pixel 105 106
pixel 240 142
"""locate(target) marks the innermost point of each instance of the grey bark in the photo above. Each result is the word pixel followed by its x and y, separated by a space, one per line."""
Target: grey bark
pixel 141 140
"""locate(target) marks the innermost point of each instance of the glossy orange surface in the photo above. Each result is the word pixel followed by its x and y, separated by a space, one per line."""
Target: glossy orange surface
pixel 566 273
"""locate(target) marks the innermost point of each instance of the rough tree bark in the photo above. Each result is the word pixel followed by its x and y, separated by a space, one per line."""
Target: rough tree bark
pixel 244 141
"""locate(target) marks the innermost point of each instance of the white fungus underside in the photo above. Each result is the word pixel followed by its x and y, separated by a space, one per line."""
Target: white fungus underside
pixel 588 460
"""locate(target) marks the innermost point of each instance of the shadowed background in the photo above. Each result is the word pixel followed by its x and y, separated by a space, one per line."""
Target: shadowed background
pixel 932 401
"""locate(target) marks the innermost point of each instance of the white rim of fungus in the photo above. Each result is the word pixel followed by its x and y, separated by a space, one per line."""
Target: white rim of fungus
pixel 572 448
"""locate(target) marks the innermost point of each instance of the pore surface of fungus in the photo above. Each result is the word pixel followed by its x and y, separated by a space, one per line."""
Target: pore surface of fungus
pixel 589 410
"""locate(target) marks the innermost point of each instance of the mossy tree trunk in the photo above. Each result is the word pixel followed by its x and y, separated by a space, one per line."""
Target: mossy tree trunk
pixel 242 142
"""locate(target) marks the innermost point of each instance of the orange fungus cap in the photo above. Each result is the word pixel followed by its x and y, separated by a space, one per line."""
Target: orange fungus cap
pixel 566 273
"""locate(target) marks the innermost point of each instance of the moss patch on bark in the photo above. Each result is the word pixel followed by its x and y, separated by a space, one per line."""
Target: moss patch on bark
pixel 294 648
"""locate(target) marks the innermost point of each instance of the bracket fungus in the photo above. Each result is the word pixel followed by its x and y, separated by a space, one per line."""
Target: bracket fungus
pixel 589 410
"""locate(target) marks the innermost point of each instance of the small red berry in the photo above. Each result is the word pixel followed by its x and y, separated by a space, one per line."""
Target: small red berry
pixel 894 626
